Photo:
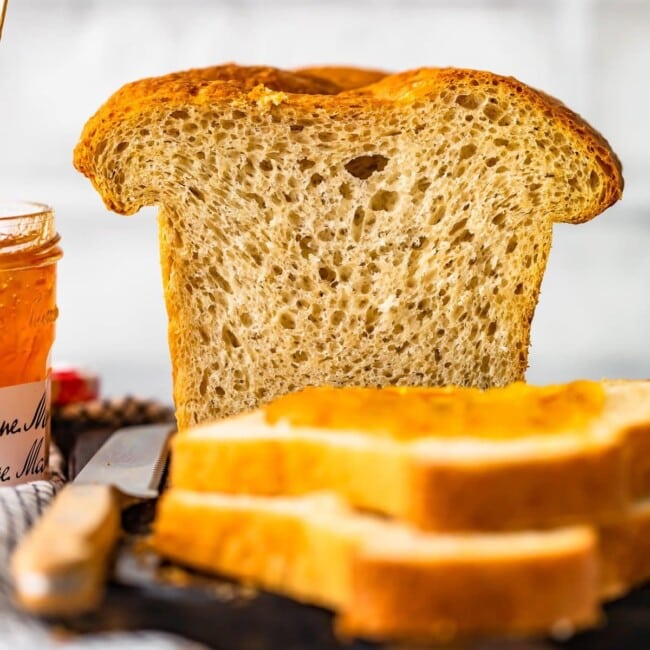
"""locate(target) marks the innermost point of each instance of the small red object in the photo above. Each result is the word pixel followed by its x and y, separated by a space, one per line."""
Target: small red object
pixel 71 385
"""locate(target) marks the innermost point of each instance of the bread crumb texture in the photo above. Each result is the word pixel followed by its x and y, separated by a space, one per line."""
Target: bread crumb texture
pixel 341 226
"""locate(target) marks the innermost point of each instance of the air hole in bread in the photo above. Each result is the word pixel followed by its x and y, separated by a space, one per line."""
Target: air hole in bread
pixel 327 274
pixel 364 287
pixel 315 315
pixel 345 273
pixel 219 279
pixel 594 180
pixel 467 151
pixel 421 185
pixel 197 193
pixel 357 223
pixel 384 201
pixel 345 191
pixel 120 147
pixel 459 225
pixel 261 203
pixel 299 356
pixel 229 337
pixel 338 316
pixel 287 321
pixel 372 315
pixel 205 335
pixel 363 167
pixel 325 235
pixel 469 102
pixel 465 235
pixel 305 283
pixel 307 246
pixel 203 386
pixel 315 180
pixel 492 112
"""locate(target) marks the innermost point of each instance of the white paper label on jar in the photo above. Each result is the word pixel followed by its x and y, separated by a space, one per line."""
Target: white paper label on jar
pixel 24 432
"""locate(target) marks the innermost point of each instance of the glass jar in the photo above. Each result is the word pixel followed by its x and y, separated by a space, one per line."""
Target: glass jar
pixel 29 250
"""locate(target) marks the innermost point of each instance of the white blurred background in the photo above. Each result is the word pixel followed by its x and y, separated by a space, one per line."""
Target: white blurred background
pixel 60 59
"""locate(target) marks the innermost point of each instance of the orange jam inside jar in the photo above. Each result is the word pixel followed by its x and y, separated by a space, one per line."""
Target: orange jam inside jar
pixel 29 250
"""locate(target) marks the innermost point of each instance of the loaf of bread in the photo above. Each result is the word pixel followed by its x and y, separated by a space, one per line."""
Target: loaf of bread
pixel 446 459
pixel 340 226
pixel 384 579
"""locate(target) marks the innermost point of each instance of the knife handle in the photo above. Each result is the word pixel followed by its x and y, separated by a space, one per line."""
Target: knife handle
pixel 60 566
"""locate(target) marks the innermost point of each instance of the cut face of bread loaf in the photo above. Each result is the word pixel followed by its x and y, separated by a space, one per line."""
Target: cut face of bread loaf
pixel 384 579
pixel 444 459
pixel 314 232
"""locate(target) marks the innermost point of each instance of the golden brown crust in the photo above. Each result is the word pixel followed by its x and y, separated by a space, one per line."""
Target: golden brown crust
pixel 345 77
pixel 231 84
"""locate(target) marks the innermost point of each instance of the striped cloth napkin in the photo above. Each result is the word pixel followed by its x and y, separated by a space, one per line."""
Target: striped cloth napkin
pixel 20 508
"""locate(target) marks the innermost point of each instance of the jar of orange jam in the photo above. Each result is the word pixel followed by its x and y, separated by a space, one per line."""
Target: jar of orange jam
pixel 29 251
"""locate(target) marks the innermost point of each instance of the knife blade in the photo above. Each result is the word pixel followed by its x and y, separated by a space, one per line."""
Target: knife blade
pixel 60 566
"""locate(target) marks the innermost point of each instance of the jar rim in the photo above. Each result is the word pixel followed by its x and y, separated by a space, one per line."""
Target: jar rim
pixel 23 209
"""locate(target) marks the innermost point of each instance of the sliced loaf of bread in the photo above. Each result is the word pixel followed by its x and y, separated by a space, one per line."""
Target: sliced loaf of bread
pixel 384 579
pixel 342 227
pixel 443 459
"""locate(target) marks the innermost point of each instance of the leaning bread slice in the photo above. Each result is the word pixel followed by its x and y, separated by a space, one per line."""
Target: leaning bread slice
pixel 316 233
pixel 385 579
pixel 444 459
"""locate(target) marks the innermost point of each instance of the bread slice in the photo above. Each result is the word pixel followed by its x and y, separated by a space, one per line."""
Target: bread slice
pixel 454 459
pixel 384 579
pixel 316 233
pixel 624 546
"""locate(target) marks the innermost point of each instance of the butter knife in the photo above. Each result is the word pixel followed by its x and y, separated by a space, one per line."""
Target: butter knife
pixel 60 566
